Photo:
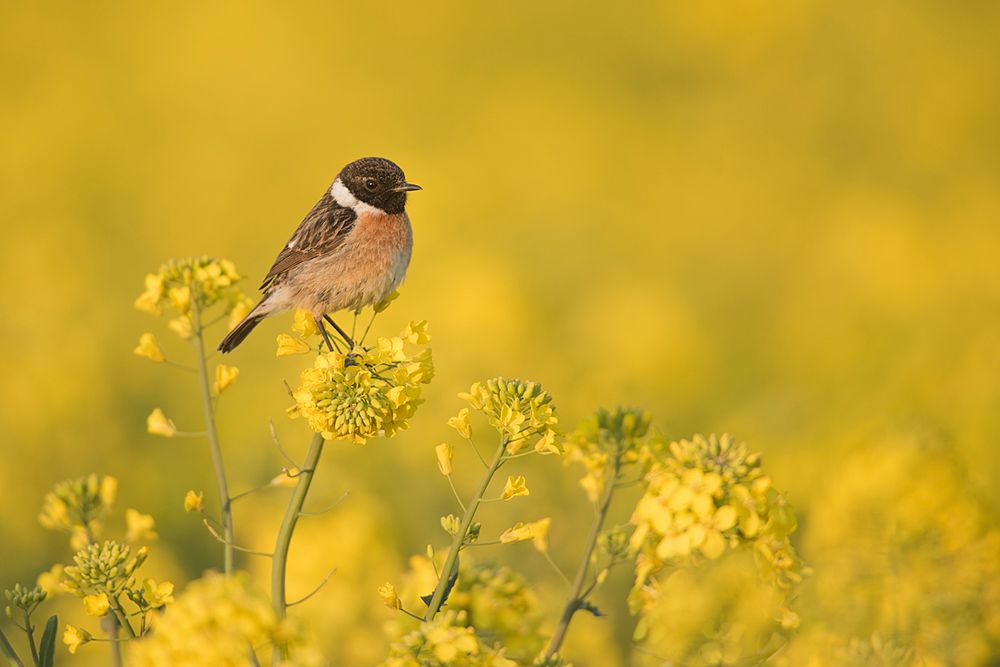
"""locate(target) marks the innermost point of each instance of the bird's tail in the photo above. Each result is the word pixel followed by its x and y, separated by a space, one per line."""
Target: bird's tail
pixel 241 331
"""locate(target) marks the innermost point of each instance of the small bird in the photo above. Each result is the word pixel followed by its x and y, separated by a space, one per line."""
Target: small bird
pixel 350 251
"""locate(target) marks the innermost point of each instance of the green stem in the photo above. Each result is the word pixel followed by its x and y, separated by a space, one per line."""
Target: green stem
pixel 110 625
pixel 451 562
pixel 213 443
pixel 575 599
pixel 279 563
pixel 122 617
pixel 30 631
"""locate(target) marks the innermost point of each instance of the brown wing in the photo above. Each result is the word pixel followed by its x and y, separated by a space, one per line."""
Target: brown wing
pixel 320 233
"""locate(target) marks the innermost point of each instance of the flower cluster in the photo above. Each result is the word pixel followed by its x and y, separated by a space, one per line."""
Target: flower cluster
pixel 79 507
pixel 500 605
pixel 619 438
pixel 495 600
pixel 219 620
pixel 190 286
pixel 105 568
pixel 25 599
pixel 518 410
pixel 706 496
pixel 720 613
pixel 365 393
pixel 447 641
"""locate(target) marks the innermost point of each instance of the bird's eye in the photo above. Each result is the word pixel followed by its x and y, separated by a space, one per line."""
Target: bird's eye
pixel 370 184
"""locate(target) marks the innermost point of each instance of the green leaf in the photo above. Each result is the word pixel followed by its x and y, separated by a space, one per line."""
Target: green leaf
pixel 47 647
pixel 8 652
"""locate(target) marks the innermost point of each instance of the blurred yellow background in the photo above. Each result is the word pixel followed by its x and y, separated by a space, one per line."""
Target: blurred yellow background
pixel 774 219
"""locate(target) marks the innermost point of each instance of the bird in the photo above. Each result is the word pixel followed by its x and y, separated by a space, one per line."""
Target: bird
pixel 351 250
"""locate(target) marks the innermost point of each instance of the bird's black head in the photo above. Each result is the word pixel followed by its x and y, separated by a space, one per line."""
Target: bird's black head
pixel 377 182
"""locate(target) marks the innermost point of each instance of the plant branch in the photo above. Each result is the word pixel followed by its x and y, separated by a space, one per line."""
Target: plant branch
pixel 315 590
pixel 450 569
pixel 213 442
pixel 576 598
pixel 284 540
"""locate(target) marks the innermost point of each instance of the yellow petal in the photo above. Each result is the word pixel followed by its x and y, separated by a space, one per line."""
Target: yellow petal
pixel 547 444
pixel 444 455
pixel 388 594
pixel 461 423
pixel 148 348
pixel 181 326
pixel 96 605
pixel 139 526
pixel 304 324
pixel 288 345
pixel 194 501
pixel 224 377
pixel 384 303
pixel 239 311
pixel 158 424
pixel 514 487
pixel 540 533
pixel 75 637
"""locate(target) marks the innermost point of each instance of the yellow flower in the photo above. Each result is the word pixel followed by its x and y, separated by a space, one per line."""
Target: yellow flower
pixel 148 348
pixel 461 423
pixel 181 326
pixel 540 533
pixel 96 605
pixel 289 345
pixel 373 395
pixel 388 594
pixel 180 298
pixel 304 324
pixel 139 526
pixel 194 502
pixel 536 531
pixel 50 580
pixel 514 487
pixel 158 424
pixel 239 311
pixel 444 454
pixel 157 595
pixel 547 444
pixel 225 376
pixel 451 524
pixel 384 303
pixel 416 332
pixel 75 637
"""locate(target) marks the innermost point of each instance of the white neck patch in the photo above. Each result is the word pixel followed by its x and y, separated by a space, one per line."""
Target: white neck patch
pixel 343 196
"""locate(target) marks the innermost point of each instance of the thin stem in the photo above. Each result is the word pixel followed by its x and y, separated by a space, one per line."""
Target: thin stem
pixel 213 443
pixel 451 562
pixel 120 615
pixel 110 625
pixel 575 599
pixel 237 547
pixel 280 562
pixel 315 590
pixel 555 566
pixel 368 328
pixel 29 630
pixel 476 450
pixel 451 483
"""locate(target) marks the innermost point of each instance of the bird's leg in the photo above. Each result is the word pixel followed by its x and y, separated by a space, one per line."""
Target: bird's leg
pixel 322 330
pixel 343 334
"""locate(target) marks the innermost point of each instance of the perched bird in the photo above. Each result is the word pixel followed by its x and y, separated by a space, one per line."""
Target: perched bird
pixel 350 251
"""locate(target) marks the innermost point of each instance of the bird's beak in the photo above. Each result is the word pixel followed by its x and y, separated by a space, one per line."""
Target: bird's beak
pixel 407 187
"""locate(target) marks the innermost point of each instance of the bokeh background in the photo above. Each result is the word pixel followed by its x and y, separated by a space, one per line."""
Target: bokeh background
pixel 774 219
